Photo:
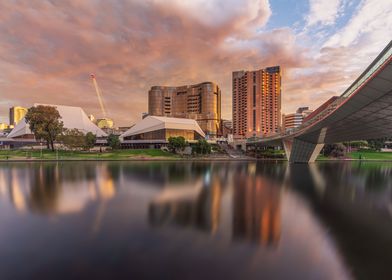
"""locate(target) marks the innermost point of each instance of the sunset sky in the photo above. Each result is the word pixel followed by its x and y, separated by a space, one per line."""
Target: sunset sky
pixel 49 48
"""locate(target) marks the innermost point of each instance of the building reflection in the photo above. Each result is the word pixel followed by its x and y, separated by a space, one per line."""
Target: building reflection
pixel 196 204
pixel 50 188
pixel 256 209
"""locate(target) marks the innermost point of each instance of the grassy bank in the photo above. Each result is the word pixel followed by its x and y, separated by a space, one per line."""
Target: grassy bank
pixel 364 155
pixel 147 154
pixel 81 155
pixel 373 155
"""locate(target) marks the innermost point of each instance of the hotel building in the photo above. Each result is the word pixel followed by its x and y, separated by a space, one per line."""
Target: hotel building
pixel 201 102
pixel 256 102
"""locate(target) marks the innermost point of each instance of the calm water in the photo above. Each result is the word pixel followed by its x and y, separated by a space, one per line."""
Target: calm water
pixel 157 220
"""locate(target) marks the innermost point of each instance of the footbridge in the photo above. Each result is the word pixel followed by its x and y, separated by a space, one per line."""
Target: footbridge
pixel 363 111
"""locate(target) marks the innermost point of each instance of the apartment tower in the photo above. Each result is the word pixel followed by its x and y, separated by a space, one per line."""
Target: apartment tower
pixel 256 102
pixel 201 102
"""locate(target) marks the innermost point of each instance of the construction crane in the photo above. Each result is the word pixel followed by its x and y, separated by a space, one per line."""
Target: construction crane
pixel 99 95
pixel 104 122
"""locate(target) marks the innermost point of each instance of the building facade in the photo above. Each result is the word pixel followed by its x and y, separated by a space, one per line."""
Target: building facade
pixel 105 123
pixel 17 114
pixel 256 102
pixel 154 132
pixel 201 102
pixel 291 121
pixel 294 120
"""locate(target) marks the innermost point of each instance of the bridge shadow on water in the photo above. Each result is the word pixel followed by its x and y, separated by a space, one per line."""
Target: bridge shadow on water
pixel 354 202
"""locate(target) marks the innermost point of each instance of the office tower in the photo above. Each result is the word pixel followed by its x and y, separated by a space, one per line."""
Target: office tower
pixel 256 102
pixel 201 102
pixel 17 114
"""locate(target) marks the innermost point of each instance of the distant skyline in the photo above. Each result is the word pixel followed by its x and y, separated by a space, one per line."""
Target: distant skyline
pixel 48 49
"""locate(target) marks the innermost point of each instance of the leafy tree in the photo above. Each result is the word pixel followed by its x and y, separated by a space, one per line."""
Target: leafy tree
pixel 45 123
pixel 203 147
pixel 377 144
pixel 176 144
pixel 335 150
pixel 114 141
pixel 73 138
pixel 90 140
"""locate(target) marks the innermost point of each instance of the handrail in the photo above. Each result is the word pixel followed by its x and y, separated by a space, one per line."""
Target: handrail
pixel 372 68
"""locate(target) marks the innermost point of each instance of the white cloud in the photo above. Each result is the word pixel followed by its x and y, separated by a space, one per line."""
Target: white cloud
pixel 323 12
pixel 370 27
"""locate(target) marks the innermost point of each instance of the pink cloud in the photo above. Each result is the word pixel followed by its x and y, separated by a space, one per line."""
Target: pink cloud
pixel 49 48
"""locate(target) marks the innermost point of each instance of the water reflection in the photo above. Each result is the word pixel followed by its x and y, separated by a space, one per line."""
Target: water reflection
pixel 338 215
pixel 256 213
pixel 50 188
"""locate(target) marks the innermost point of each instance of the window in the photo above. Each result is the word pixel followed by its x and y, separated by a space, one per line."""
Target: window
pixel 254 120
pixel 254 95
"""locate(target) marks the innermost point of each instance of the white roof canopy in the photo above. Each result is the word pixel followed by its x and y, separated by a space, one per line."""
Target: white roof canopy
pixel 72 117
pixel 152 123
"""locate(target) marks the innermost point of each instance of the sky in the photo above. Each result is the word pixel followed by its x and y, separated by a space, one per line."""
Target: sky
pixel 49 48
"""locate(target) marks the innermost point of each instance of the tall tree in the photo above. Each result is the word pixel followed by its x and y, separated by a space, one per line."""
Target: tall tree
pixel 45 122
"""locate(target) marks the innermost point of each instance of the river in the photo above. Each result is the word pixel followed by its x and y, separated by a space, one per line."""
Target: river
pixel 195 220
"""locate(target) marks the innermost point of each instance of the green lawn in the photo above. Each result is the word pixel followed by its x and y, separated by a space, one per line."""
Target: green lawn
pixel 119 154
pixel 365 155
pixel 368 154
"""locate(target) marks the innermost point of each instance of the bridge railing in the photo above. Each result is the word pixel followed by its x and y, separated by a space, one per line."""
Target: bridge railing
pixel 385 55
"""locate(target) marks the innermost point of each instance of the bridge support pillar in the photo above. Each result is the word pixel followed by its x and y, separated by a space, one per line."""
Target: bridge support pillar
pixel 304 152
pixel 287 146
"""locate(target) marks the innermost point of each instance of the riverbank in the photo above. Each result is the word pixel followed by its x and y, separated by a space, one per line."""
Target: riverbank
pixel 118 155
pixel 31 155
pixel 159 155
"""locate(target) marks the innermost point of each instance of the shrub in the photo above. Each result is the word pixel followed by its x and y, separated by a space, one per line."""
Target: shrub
pixel 176 144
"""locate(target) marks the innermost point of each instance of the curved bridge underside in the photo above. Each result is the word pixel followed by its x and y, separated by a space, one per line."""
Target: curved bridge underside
pixel 363 111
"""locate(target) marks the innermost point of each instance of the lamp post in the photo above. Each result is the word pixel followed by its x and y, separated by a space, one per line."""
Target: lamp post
pixel 40 143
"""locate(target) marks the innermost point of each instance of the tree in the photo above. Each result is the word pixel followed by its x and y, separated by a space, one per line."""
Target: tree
pixel 377 144
pixel 72 138
pixel 90 140
pixel 114 141
pixel 203 147
pixel 176 144
pixel 335 150
pixel 45 123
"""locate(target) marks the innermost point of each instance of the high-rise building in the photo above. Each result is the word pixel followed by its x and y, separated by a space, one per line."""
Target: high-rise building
pixel 17 114
pixel 256 102
pixel 201 102
pixel 294 120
